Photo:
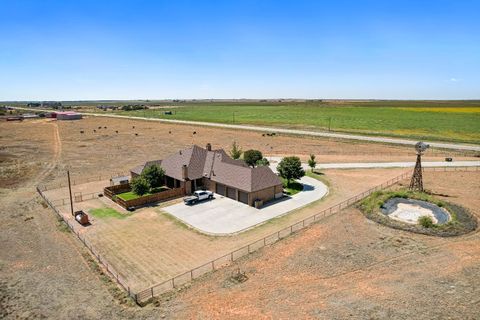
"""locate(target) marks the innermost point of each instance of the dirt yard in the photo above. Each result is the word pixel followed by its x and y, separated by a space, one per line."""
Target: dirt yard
pixel 107 152
pixel 150 247
pixel 47 273
pixel 350 267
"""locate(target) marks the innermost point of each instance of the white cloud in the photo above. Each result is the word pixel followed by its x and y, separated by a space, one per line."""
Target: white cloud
pixel 455 79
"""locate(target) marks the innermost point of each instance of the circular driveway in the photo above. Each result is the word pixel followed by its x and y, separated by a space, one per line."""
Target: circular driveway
pixel 224 216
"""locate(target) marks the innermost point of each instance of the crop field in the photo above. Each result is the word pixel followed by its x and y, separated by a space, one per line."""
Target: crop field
pixel 444 121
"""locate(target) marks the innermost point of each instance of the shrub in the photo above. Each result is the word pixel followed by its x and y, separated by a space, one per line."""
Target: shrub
pixel 236 151
pixel 252 156
pixel 311 162
pixel 140 186
pixel 263 162
pixel 290 168
pixel 426 222
pixel 154 175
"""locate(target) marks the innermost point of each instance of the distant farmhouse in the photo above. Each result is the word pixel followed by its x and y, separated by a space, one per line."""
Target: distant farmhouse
pixel 107 107
pixel 198 168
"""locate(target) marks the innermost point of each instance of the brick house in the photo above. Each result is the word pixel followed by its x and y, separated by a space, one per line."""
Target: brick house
pixel 203 168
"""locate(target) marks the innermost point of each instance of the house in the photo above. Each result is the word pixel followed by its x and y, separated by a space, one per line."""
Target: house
pixel 203 168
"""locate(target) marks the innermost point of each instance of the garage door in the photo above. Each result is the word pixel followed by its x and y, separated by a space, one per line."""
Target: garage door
pixel 220 189
pixel 243 197
pixel 232 193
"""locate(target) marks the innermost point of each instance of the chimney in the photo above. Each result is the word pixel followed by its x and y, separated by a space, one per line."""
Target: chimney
pixel 209 147
pixel 185 172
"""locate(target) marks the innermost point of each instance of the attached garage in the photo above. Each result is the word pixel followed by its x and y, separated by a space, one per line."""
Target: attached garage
pixel 243 197
pixel 232 193
pixel 220 189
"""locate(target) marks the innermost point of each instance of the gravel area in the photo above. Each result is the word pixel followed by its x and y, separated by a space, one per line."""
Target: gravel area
pixel 409 210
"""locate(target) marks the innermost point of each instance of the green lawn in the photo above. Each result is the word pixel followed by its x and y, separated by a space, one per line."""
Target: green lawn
pixel 130 195
pixel 107 213
pixel 293 188
pixel 442 120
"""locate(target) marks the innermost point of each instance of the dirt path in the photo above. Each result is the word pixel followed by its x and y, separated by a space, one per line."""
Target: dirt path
pixel 57 150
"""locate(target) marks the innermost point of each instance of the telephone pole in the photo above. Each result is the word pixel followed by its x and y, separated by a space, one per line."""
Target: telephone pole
pixel 70 191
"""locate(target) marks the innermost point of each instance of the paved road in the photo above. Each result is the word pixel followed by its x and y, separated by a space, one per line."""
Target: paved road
pixel 370 165
pixel 444 145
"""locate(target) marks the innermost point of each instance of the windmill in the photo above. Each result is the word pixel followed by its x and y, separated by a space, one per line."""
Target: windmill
pixel 416 184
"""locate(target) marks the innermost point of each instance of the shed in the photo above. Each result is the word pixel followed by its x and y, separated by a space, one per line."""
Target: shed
pixel 115 181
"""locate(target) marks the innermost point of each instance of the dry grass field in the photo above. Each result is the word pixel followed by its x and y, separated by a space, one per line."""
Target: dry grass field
pixel 347 267
pixel 46 272
pixel 149 247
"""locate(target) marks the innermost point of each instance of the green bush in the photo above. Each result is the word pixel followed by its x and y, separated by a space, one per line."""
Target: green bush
pixel 290 168
pixel 140 186
pixel 263 162
pixel 252 156
pixel 426 222
pixel 154 175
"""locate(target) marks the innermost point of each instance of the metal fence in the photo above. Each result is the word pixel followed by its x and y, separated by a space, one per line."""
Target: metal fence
pixel 115 275
pixel 234 255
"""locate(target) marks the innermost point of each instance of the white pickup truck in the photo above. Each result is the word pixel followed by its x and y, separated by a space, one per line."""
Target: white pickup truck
pixel 197 196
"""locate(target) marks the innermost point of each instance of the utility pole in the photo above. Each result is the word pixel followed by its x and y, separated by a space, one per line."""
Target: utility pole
pixel 70 191
pixel 233 116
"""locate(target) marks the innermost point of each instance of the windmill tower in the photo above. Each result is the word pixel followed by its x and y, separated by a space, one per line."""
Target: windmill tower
pixel 416 184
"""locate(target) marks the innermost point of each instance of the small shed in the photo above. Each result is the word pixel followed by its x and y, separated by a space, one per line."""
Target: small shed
pixel 69 115
pixel 115 181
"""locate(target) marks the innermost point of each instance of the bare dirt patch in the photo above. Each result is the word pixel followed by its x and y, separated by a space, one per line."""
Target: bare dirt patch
pixel 44 272
pixel 350 267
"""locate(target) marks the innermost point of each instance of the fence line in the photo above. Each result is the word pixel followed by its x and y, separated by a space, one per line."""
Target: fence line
pixel 95 253
pixel 236 254
pixel 230 257
pixel 80 180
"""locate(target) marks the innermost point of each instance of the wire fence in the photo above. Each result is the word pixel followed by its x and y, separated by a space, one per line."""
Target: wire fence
pixel 80 180
pixel 236 254
pixel 114 274
pixel 230 257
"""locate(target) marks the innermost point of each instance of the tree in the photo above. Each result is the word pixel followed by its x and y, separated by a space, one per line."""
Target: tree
pixel 154 175
pixel 139 186
pixel 290 168
pixel 252 156
pixel 236 151
pixel 311 162
pixel 263 162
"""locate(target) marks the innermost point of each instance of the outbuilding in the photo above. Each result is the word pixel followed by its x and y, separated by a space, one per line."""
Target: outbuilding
pixel 69 115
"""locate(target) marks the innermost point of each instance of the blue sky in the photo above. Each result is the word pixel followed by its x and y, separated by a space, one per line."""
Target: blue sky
pixel 69 50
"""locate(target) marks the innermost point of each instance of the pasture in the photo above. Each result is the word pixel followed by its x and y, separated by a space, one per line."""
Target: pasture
pixel 443 121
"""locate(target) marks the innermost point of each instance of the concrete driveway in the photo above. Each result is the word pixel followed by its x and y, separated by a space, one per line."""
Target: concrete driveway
pixel 224 216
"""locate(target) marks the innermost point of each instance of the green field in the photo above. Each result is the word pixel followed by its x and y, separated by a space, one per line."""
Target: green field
pixel 445 121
